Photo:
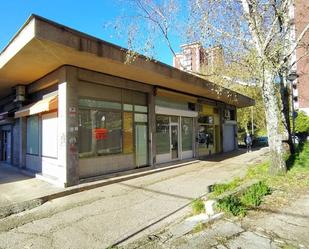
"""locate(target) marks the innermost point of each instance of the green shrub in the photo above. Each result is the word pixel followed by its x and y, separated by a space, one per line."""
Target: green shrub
pixel 237 205
pixel 231 204
pixel 254 194
pixel 302 157
pixel 198 228
pixel 302 122
pixel 299 160
pixel 198 206
pixel 220 188
pixel 258 171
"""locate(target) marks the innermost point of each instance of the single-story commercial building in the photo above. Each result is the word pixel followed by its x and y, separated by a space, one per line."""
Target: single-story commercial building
pixel 70 108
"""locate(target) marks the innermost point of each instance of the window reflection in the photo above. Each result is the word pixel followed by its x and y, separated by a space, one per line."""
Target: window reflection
pixel 162 134
pixel 206 136
pixel 186 132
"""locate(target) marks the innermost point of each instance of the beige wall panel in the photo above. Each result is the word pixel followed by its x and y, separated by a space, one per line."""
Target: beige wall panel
pixel 89 167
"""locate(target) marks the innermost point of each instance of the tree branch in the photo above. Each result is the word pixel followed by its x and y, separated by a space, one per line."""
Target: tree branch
pixel 293 47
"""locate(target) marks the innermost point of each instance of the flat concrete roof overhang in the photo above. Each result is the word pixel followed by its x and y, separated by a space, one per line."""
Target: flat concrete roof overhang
pixel 42 46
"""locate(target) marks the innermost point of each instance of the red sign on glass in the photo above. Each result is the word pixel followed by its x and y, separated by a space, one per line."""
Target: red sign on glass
pixel 100 133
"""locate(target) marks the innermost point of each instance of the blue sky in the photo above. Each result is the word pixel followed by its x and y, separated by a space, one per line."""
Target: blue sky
pixel 81 15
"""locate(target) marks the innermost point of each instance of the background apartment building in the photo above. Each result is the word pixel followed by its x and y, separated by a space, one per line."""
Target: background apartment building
pixel 194 58
pixel 301 86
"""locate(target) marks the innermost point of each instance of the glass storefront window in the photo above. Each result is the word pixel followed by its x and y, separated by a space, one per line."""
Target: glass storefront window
pixel 138 117
pixel 174 119
pixel 206 119
pixel 162 134
pixel 128 107
pixel 33 135
pixel 92 103
pixel 107 127
pixel 100 132
pixel 85 132
pixel 186 133
pixel 108 132
pixel 140 108
pixel 127 132
pixel 206 135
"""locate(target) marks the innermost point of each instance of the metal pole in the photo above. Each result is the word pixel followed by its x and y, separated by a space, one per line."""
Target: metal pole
pixel 291 78
pixel 293 117
pixel 252 124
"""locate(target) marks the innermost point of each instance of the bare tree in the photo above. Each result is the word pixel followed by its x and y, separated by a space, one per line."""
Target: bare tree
pixel 257 30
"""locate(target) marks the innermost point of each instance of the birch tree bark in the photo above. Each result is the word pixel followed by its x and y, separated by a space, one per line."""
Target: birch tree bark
pixel 278 165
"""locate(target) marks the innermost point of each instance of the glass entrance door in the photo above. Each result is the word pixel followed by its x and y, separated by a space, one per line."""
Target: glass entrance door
pixel 141 147
pixel 174 141
pixel 6 146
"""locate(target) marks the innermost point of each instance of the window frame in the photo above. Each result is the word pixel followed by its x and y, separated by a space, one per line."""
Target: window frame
pixel 89 153
pixel 122 110
pixel 192 133
pixel 38 135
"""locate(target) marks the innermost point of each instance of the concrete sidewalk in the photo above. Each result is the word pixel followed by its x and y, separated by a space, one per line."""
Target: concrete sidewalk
pixel 19 191
pixel 17 187
pixel 120 212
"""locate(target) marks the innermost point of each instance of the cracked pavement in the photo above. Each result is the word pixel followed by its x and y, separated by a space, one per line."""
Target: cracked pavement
pixel 122 212
pixel 268 228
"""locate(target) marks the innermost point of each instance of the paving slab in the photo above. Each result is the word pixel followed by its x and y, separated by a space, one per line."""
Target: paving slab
pixel 250 240
pixel 209 237
pixel 290 223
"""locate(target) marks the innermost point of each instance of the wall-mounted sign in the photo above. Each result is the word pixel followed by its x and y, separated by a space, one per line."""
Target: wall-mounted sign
pixel 100 133
pixel 72 111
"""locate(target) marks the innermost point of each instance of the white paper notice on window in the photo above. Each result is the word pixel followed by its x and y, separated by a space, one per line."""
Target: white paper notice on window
pixel 50 135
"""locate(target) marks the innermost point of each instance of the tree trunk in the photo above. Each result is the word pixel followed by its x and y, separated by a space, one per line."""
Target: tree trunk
pixel 278 165
pixel 285 111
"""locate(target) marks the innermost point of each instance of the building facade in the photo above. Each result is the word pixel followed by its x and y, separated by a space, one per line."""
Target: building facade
pixel 301 89
pixel 71 109
pixel 194 58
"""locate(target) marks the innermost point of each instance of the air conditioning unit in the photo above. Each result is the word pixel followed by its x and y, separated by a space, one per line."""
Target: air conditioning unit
pixel 20 93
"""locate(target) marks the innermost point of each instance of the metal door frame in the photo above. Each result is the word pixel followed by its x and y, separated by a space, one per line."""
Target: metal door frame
pixel 147 139
pixel 178 137
pixel 5 150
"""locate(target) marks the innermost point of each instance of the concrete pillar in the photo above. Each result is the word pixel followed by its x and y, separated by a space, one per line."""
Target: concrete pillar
pixel 72 127
pixel 68 127
pixel 152 128
pixel 62 133
pixel 22 142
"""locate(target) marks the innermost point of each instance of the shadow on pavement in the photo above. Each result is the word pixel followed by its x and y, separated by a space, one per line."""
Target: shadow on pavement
pixel 9 174
pixel 152 224
pixel 158 192
pixel 227 155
